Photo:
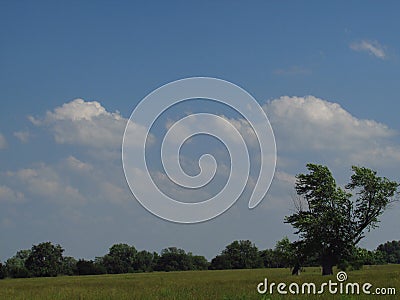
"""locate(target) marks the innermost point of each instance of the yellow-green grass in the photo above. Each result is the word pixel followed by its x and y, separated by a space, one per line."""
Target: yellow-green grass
pixel 227 284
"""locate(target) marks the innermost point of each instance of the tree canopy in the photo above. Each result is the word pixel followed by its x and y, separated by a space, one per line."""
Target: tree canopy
pixel 238 255
pixel 331 222
pixel 45 260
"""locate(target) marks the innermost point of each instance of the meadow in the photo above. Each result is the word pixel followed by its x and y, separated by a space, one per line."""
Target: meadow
pixel 225 284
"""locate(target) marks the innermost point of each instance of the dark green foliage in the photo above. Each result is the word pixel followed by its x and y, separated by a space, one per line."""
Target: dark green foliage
pixel 45 260
pixel 174 259
pixel 270 259
pixel 68 266
pixel 238 255
pixel 199 262
pixel 361 257
pixel 330 223
pixel 120 259
pixel 89 267
pixel 15 266
pixel 220 262
pixel 143 261
pixel 391 251
pixel 3 271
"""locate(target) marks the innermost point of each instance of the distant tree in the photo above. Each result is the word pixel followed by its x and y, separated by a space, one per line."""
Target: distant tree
pixel 3 271
pixel 330 224
pixel 156 258
pixel 120 259
pixel 270 258
pixel 238 255
pixel 89 267
pixel 361 257
pixel 243 255
pixel 68 266
pixel 220 262
pixel 199 262
pixel 285 253
pixel 15 266
pixel 391 251
pixel 174 259
pixel 143 261
pixel 45 260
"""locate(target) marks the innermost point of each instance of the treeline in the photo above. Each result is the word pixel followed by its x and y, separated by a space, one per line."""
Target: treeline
pixel 46 259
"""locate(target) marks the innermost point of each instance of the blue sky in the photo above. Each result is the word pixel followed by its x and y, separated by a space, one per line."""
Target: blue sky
pixel 303 61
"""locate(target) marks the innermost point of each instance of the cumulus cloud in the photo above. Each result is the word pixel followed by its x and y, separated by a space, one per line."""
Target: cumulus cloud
pixel 86 123
pixel 313 125
pixel 371 47
pixel 3 142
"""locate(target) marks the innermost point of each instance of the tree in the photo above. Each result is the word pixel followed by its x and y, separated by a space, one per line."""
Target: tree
pixel 390 251
pixel 45 260
pixel 68 266
pixel 331 223
pixel 199 262
pixel 174 259
pixel 220 262
pixel 120 259
pixel 238 255
pixel 143 261
pixel 89 267
pixel 285 253
pixel 3 271
pixel 269 258
pixel 15 266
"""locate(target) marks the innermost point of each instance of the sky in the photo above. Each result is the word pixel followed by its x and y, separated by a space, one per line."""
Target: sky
pixel 71 73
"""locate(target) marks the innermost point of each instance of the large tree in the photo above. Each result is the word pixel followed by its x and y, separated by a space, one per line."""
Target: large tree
pixel 332 220
pixel 120 259
pixel 238 255
pixel 45 260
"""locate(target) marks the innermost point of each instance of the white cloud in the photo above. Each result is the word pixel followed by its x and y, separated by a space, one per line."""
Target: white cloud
pixel 23 136
pixel 371 47
pixel 312 125
pixel 77 165
pixel 78 109
pixel 45 182
pixel 3 142
pixel 87 124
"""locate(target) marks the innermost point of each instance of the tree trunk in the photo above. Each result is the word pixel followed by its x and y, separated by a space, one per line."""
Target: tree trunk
pixel 296 269
pixel 327 266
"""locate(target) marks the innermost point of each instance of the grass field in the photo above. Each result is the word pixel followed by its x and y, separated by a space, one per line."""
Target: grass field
pixel 228 284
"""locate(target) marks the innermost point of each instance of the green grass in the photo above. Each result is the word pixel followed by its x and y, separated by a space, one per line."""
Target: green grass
pixel 228 284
